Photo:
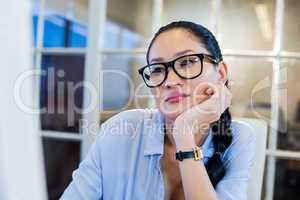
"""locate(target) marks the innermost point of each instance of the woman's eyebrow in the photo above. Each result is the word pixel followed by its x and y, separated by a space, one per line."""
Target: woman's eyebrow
pixel 180 53
pixel 156 60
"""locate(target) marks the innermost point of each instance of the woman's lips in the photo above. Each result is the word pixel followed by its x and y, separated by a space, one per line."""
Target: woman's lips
pixel 175 97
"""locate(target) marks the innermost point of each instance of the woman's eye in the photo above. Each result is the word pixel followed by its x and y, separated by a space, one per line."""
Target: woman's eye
pixel 188 62
pixel 157 70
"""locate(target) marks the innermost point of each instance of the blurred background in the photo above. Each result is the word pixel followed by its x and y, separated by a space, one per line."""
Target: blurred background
pixel 74 39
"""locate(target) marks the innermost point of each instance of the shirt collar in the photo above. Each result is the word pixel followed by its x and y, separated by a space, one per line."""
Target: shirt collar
pixel 154 132
pixel 153 129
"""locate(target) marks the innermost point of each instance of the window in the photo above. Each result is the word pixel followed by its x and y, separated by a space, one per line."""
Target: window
pixel 260 43
pixel 60 39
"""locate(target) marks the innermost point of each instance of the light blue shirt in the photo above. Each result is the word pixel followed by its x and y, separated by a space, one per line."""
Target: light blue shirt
pixel 123 163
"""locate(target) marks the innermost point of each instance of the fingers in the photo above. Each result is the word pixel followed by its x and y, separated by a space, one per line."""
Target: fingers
pixel 203 88
pixel 209 91
pixel 202 92
pixel 219 98
pixel 217 95
pixel 216 98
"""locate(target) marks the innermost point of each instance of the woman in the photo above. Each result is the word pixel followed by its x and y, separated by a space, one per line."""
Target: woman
pixel 188 148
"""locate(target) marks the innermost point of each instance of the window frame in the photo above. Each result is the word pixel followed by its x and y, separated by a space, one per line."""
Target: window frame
pixel 94 52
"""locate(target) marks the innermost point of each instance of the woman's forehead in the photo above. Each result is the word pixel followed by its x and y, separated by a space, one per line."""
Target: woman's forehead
pixel 168 44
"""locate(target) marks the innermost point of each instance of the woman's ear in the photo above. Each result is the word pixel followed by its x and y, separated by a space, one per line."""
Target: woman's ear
pixel 222 70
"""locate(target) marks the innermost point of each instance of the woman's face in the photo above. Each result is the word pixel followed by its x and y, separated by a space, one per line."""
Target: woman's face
pixel 186 92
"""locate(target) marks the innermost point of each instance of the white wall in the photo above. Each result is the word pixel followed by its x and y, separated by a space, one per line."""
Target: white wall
pixel 21 169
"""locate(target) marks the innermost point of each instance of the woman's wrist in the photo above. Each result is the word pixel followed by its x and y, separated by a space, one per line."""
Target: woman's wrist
pixel 188 141
pixel 186 147
pixel 185 143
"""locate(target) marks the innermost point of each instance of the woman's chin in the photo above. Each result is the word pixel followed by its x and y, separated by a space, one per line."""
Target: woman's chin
pixel 172 111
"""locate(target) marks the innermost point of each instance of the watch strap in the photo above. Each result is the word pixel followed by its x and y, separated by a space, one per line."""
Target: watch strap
pixel 196 153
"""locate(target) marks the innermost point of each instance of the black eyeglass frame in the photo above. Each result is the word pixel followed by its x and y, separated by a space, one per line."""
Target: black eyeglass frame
pixel 171 64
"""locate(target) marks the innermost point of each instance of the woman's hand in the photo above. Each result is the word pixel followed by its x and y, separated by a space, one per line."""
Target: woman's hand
pixel 211 100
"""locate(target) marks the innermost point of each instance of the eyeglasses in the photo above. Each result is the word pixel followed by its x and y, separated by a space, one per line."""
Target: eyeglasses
pixel 186 67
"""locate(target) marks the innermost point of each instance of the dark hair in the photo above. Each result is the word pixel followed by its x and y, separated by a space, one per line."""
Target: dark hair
pixel 221 130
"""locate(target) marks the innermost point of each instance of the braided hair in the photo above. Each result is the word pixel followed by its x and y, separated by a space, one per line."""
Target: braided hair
pixel 221 131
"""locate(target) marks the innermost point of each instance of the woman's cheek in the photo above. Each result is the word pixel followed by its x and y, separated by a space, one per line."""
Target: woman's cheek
pixel 155 93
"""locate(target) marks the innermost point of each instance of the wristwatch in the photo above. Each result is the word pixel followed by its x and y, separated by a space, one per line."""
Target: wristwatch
pixel 196 153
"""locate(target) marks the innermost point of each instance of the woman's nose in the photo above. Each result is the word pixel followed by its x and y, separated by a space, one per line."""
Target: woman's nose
pixel 172 79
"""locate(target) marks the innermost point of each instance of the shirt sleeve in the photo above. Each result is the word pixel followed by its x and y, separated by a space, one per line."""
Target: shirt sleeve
pixel 86 180
pixel 238 161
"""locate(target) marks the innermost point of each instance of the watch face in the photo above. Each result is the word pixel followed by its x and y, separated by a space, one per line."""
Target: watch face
pixel 198 153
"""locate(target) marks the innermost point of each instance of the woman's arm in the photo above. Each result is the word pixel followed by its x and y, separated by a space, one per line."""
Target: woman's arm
pixel 238 161
pixel 195 180
pixel 188 131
